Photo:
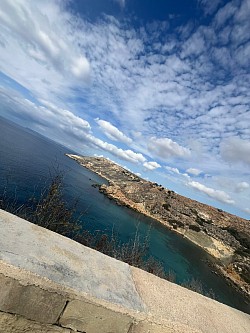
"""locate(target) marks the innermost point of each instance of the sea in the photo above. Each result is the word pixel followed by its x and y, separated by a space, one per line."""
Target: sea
pixel 27 161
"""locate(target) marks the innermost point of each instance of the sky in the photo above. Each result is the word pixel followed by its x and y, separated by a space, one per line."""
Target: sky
pixel 160 87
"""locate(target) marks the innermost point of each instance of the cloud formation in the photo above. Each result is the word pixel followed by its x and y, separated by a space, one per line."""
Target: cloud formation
pixel 127 155
pixel 122 3
pixel 181 91
pixel 194 171
pixel 80 68
pixel 166 148
pixel 112 132
pixel 242 186
pixel 209 6
pixel 46 46
pixel 61 125
pixel 215 194
pixel 156 89
pixel 151 165
pixel 174 170
pixel 45 116
pixel 236 150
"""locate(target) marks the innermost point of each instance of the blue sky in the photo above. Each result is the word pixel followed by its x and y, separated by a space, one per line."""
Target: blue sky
pixel 161 87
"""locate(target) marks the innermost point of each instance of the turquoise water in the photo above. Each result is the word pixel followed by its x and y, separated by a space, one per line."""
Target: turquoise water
pixel 26 161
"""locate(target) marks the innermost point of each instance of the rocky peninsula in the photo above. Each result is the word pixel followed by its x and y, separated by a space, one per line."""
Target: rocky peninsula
pixel 224 236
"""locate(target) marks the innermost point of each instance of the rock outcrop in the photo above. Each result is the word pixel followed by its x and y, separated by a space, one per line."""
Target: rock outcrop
pixel 225 236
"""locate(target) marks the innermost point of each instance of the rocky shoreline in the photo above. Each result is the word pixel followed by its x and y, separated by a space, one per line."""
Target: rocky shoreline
pixel 224 236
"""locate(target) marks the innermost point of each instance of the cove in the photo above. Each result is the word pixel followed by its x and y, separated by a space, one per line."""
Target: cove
pixel 26 161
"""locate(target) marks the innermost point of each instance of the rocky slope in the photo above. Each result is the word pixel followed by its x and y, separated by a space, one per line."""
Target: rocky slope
pixel 225 236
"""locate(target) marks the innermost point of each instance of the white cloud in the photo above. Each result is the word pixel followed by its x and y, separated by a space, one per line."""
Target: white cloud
pixel 122 3
pixel 42 51
pixel 215 194
pixel 243 12
pixel 194 46
pixel 127 155
pixel 81 68
pixel 192 86
pixel 61 125
pixel 60 116
pixel 242 186
pixel 209 6
pixel 194 171
pixel 174 170
pixel 177 172
pixel 236 150
pixel 46 115
pixel 225 13
pixel 151 165
pixel 146 87
pixel 166 148
pixel 112 132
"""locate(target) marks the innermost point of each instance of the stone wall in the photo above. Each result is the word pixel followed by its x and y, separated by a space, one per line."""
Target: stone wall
pixel 49 283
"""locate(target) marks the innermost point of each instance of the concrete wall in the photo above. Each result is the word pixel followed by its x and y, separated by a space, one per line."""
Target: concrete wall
pixel 49 283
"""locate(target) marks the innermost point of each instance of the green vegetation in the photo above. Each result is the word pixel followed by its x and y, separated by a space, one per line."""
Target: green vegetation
pixel 52 212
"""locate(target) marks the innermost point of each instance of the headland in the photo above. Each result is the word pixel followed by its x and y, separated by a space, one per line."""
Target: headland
pixel 224 236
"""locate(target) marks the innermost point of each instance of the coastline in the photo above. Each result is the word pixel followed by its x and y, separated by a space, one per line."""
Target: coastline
pixel 219 251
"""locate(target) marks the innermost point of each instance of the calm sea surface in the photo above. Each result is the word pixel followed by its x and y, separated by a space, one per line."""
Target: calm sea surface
pixel 26 161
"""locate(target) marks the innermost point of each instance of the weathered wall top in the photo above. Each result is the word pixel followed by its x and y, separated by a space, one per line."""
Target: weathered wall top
pixel 53 284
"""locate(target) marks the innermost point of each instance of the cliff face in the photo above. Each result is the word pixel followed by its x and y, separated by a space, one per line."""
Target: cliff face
pixel 223 235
